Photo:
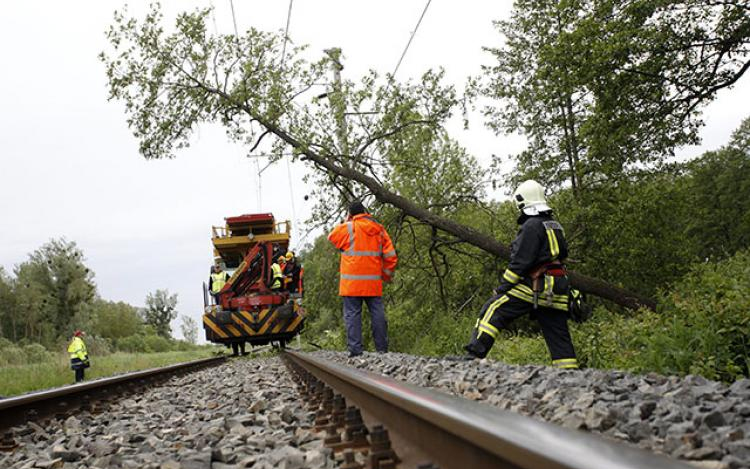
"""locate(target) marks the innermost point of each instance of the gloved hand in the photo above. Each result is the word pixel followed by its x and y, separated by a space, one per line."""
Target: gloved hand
pixel 503 288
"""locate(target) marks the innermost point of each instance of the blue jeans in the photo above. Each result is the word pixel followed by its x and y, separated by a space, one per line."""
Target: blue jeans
pixel 353 321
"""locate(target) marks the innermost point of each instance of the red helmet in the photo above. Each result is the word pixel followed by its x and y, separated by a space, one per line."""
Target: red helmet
pixel 78 333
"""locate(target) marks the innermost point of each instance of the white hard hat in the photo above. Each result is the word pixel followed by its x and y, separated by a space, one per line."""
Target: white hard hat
pixel 529 198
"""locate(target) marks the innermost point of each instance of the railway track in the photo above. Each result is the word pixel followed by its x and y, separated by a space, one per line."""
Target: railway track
pixel 90 395
pixel 399 425
pixel 248 413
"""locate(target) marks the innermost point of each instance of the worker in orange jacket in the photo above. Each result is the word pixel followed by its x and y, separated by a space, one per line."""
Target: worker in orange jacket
pixel 367 260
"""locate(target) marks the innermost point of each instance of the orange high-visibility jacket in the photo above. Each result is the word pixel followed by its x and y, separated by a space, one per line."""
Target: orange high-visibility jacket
pixel 367 256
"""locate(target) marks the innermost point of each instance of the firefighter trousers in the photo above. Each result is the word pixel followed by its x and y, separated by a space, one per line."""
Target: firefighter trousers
pixel 500 310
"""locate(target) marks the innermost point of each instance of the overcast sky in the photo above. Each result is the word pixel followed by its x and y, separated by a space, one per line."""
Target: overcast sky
pixel 70 167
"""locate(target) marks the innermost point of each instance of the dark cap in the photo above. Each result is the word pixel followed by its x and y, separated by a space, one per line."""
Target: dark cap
pixel 356 207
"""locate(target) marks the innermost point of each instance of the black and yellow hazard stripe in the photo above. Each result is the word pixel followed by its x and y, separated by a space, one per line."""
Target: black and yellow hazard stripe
pixel 247 324
pixel 250 322
pixel 222 331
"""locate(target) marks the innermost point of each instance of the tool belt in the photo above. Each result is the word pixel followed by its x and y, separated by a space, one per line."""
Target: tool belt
pixel 553 269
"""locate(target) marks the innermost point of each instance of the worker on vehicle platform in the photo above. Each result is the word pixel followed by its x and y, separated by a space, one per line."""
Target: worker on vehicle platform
pixel 277 273
pixel 292 274
pixel 217 281
pixel 79 356
pixel 367 260
pixel 535 282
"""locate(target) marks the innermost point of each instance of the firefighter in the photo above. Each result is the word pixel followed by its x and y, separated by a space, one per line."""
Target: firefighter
pixel 217 281
pixel 292 274
pixel 534 283
pixel 79 356
pixel 277 274
pixel 367 260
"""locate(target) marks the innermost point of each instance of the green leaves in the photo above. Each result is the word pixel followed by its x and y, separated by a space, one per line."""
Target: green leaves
pixel 160 311
pixel 604 87
pixel 50 294
pixel 172 80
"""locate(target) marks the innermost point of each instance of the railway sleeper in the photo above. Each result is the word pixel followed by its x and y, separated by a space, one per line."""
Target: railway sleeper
pixel 345 430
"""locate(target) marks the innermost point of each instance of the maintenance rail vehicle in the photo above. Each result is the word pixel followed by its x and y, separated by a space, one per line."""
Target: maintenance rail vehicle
pixel 246 310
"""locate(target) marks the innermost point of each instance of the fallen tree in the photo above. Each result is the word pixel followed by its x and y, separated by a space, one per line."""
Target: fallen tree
pixel 172 83
pixel 467 234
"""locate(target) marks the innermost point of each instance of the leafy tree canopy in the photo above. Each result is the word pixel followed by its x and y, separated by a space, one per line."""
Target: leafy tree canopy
pixel 173 82
pixel 160 311
pixel 601 87
pixel 189 329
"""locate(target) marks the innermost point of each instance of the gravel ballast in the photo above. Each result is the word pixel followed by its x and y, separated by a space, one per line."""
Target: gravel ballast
pixel 244 413
pixel 703 422
pixel 247 413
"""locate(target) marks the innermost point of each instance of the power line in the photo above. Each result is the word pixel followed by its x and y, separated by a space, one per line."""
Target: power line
pixel 258 170
pixel 286 32
pixel 213 17
pixel 288 158
pixel 393 75
pixel 234 20
pixel 291 191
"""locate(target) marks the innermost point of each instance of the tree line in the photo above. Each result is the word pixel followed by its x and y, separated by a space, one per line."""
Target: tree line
pixel 53 293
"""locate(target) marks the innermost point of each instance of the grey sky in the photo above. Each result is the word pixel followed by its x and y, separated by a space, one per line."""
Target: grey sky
pixel 70 166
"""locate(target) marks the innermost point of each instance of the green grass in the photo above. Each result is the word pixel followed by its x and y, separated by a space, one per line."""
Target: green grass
pixel 18 379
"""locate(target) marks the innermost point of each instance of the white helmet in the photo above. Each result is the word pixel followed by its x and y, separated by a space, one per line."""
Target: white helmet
pixel 529 198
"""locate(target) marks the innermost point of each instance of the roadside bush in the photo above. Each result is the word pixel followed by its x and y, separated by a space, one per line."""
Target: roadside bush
pixel 98 346
pixel 36 353
pixel 157 343
pixel 5 343
pixel 183 346
pixel 133 344
pixel 12 355
pixel 704 325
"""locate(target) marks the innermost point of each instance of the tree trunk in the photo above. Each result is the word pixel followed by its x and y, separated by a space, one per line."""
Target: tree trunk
pixel 582 282
pixel 471 236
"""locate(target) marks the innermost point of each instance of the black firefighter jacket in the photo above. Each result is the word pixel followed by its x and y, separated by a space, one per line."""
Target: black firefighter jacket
pixel 540 240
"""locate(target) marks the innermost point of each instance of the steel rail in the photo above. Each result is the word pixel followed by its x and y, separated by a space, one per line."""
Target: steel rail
pixel 457 433
pixel 20 409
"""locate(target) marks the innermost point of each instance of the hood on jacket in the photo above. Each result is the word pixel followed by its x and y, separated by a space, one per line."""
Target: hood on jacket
pixel 366 223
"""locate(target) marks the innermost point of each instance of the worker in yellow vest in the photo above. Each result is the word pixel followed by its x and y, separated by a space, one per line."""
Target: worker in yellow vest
pixel 217 281
pixel 277 273
pixel 79 356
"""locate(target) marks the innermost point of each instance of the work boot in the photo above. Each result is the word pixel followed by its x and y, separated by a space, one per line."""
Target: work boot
pixel 467 357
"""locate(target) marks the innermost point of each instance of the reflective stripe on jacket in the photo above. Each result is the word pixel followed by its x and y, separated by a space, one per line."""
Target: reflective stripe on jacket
pixel 277 276
pixel 540 240
pixel 367 256
pixel 218 281
pixel 77 349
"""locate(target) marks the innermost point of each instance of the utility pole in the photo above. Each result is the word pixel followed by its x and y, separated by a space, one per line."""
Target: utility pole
pixel 338 105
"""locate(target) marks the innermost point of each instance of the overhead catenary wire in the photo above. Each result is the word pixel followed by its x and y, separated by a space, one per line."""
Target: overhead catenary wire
pixel 213 17
pixel 286 32
pixel 411 38
pixel 258 170
pixel 288 157
pixel 234 20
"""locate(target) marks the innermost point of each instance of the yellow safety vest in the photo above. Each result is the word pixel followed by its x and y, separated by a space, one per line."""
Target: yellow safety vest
pixel 277 275
pixel 77 349
pixel 218 281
